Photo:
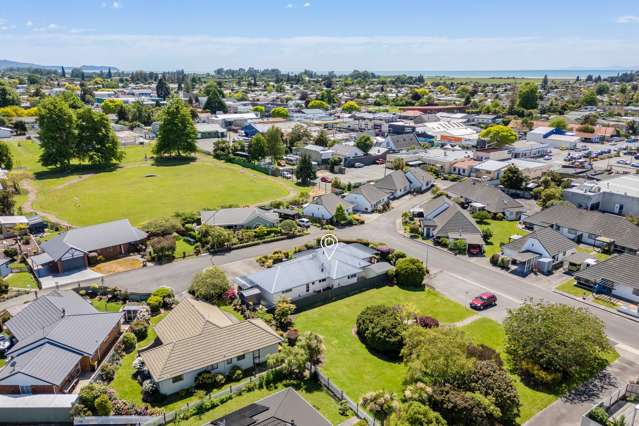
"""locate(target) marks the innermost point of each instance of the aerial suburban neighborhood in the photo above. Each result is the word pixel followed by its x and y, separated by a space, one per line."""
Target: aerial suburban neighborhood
pixel 240 216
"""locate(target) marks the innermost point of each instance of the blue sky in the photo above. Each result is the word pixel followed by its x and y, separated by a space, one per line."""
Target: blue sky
pixel 200 35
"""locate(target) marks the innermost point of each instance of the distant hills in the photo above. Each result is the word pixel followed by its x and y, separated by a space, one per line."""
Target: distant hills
pixel 5 64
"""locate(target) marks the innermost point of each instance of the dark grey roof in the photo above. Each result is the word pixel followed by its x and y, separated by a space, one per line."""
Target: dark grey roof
pixel 622 269
pixel 93 237
pixel 448 218
pixel 624 233
pixel 495 200
pixel 370 192
pixel 393 182
pixel 346 150
pixel 286 407
pixel 404 141
pixel 330 202
pixel 48 363
pixel 47 310
pixel 237 216
pixel 421 175
pixel 551 240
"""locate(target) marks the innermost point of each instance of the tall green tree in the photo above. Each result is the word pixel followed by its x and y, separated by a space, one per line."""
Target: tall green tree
pixel 176 135
pixel 499 135
pixel 257 147
pixel 299 135
pixel 274 143
pixel 6 159
pixel 512 178
pixel 214 103
pixel 58 133
pixel 96 142
pixel 322 139
pixel 304 172
pixel 364 142
pixel 589 97
pixel 558 123
pixel 162 88
pixel 8 96
pixel 528 96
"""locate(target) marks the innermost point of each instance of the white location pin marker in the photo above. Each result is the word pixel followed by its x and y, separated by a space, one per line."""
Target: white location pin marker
pixel 329 243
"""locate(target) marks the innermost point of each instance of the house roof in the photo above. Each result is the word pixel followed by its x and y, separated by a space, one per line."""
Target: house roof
pixel 622 269
pixel 420 174
pixel 212 345
pixel 189 318
pixel 405 141
pixel 371 193
pixel 236 216
pixel 284 408
pixel 495 200
pixel 606 225
pixel 448 218
pixel 93 237
pixel 552 241
pixel 330 202
pixel 346 150
pixel 393 182
pixel 48 363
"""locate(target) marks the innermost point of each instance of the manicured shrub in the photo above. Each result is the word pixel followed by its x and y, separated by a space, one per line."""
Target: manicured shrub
pixel 11 252
pixel 210 285
pixel 102 405
pixel 139 328
pixel 89 394
pixel 380 328
pixel 149 390
pixel 410 272
pixel 235 374
pixel 482 352
pixel 494 259
pixel 458 246
pixel 208 380
pixel 463 408
pixel 426 321
pixel 155 304
pixel 107 372
pixel 164 293
pixel 128 342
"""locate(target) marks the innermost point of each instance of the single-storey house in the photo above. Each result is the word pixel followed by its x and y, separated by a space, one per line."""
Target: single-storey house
pixel 60 336
pixel 9 225
pixel 616 275
pixel 197 337
pixel 324 206
pixel 400 142
pixel 70 250
pixel 395 184
pixel 210 131
pixel 238 218
pixel 484 197
pixel 311 272
pixel 604 230
pixel 318 154
pixel 367 198
pixel 347 151
pixel 542 250
pixel 420 180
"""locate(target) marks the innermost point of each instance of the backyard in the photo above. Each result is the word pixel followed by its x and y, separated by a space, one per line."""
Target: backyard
pixel 502 230
pixel 141 190
pixel 22 280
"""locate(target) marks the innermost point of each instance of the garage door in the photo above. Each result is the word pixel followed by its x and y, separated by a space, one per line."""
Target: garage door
pixel 73 264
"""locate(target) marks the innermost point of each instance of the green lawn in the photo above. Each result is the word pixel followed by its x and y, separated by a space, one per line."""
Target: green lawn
pixel 348 363
pixel 569 286
pixel 139 190
pixel 104 306
pixel 22 280
pixel 502 230
pixel 311 392
pixel 590 250
pixel 229 310
pixel 183 248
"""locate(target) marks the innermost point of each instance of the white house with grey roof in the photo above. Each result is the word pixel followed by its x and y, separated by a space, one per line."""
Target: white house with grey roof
pixel 367 198
pixel 616 275
pixel 324 206
pixel 60 336
pixel 395 184
pixel 197 337
pixel 237 218
pixel 542 250
pixel 420 180
pixel 310 272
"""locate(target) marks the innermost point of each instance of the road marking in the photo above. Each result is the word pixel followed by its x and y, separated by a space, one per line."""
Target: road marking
pixel 517 301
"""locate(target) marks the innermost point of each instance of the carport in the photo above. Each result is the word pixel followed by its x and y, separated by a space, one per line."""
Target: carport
pixel 524 262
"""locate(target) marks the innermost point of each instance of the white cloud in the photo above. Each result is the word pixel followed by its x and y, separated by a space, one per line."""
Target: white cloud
pixel 289 6
pixel 103 4
pixel 628 19
pixel 307 4
pixel 116 5
pixel 28 24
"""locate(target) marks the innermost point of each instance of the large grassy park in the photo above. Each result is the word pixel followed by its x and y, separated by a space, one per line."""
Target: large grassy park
pixel 139 189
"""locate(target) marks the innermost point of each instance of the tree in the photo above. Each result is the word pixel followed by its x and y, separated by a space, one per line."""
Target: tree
pixel 289 227
pixel 210 285
pixel 381 329
pixel 20 127
pixel 350 107
pixel 544 82
pixel 463 408
pixel 111 106
pixel 215 237
pixel 322 139
pixel 550 196
pixel 257 148
pixel 4 286
pixel 589 97
pixel 528 95
pixel 8 96
pixel 318 104
pixel 102 405
pixel 313 345
pixel 291 361
pixel 602 89
pixel 493 381
pixel 96 140
pixel 499 135
pixel 274 144
pixel 486 233
pixel 340 215
pixel 414 413
pixel 482 216
pixel 6 159
pixel 305 172
pixel 282 313
pixel 512 178
pixel 215 102
pixel 279 112
pixel 555 341
pixel 299 135
pixel 7 203
pixel 558 123
pixel 364 142
pixel 176 135
pixel 410 272
pixel 380 404
pixel 57 132
pixel 162 89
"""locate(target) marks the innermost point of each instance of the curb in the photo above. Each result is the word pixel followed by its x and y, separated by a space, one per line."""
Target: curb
pixel 596 305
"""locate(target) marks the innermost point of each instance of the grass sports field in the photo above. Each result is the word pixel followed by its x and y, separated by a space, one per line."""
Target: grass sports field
pixel 139 190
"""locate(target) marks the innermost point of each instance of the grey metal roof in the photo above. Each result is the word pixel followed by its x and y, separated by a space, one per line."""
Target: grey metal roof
pixel 421 175
pixel 495 200
pixel 622 269
pixel 48 363
pixel 330 202
pixel 448 218
pixel 370 192
pixel 93 237
pixel 404 141
pixel 551 240
pixel 617 228
pixel 237 216
pixel 346 150
pixel 393 182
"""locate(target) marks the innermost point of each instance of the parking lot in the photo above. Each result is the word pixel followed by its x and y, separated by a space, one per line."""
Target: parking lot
pixel 355 175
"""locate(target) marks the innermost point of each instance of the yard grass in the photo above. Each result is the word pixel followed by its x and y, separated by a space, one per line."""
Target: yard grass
pixel 183 248
pixel 104 306
pixel 591 250
pixel 140 190
pixel 229 310
pixel 348 363
pixel 310 391
pixel 21 280
pixel 570 287
pixel 118 265
pixel 502 230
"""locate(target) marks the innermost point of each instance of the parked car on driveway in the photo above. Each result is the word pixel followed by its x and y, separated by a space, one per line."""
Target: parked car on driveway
pixel 304 223
pixel 5 343
pixel 358 165
pixel 325 179
pixel 380 161
pixel 483 301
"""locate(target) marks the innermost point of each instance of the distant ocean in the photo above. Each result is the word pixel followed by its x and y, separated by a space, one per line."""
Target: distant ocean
pixel 563 73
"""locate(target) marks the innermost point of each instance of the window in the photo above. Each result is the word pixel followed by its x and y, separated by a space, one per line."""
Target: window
pixel 229 361
pixel 287 291
pixel 308 287
pixel 635 291
pixel 177 379
pixel 322 280
pixel 214 366
pixel 352 276
pixel 240 357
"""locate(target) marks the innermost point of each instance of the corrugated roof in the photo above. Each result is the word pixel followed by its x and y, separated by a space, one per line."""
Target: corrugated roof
pixel 393 182
pixel 330 202
pixel 236 216
pixel 551 240
pixel 495 200
pixel 448 218
pixel 622 269
pixel 48 363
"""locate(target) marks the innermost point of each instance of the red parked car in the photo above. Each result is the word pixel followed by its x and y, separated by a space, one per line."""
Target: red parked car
pixel 483 301
pixel 325 179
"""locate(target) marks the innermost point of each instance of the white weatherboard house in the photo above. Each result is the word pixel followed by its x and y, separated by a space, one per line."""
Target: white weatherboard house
pixel 324 206
pixel 312 272
pixel 197 336
pixel 367 198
